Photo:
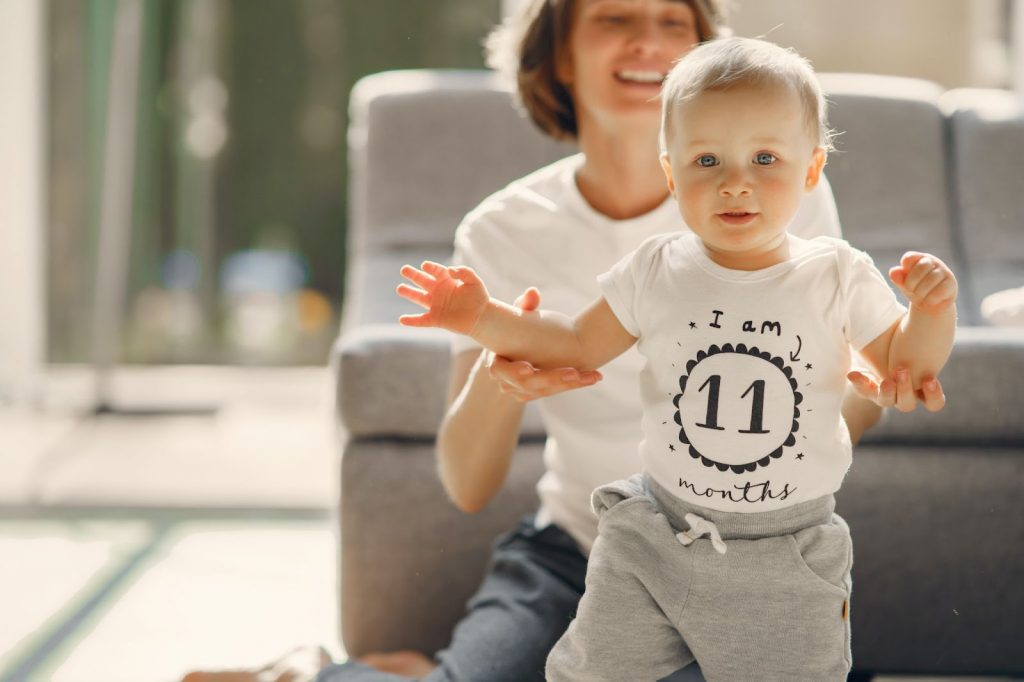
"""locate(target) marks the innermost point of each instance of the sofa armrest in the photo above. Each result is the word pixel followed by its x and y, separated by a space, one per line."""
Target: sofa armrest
pixel 984 386
pixel 409 559
pixel 393 381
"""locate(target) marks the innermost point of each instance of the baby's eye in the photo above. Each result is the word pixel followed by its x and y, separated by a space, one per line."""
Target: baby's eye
pixel 707 160
pixel 764 158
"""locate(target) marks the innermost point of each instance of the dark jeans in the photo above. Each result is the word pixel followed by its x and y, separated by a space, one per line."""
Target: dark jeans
pixel 526 601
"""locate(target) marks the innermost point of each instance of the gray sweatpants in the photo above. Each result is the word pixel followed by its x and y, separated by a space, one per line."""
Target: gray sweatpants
pixel 750 596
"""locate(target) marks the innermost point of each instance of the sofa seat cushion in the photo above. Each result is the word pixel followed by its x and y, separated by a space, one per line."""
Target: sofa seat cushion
pixel 410 559
pixel 937 563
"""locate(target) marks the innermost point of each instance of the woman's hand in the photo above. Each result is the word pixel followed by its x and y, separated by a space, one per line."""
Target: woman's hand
pixel 455 298
pixel 898 391
pixel 522 381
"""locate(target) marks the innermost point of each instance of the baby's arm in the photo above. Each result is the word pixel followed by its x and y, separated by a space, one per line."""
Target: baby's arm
pixel 457 300
pixel 922 340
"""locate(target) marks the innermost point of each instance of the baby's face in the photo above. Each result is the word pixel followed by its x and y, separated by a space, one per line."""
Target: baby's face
pixel 739 161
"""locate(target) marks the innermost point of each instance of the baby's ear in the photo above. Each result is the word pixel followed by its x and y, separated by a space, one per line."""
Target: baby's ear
pixel 666 166
pixel 814 168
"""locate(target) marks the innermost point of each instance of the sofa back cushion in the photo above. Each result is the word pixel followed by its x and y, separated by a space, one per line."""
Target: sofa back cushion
pixel 426 146
pixel 889 172
pixel 987 129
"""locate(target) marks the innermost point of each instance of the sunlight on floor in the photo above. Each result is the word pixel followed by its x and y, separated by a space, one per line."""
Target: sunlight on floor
pixel 47 567
pixel 211 594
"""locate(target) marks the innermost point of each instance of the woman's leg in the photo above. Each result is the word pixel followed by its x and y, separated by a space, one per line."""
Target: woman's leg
pixel 527 599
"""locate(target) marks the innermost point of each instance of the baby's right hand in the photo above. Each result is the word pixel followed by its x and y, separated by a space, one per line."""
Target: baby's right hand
pixel 454 297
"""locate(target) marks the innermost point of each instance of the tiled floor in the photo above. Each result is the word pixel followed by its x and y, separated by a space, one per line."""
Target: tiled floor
pixel 147 600
pixel 136 548
pixel 270 443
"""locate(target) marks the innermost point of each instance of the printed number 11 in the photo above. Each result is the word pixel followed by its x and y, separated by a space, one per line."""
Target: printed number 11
pixel 756 408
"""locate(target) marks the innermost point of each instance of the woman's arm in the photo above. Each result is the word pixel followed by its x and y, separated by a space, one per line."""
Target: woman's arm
pixel 480 430
pixel 478 434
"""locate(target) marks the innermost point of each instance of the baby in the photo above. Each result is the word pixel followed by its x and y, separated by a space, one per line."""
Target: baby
pixel 726 548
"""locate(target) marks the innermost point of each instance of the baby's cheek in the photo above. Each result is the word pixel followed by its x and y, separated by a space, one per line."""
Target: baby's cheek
pixel 783 194
pixel 693 198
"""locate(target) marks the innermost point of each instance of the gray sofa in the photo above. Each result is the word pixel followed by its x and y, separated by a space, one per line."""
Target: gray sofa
pixel 934 500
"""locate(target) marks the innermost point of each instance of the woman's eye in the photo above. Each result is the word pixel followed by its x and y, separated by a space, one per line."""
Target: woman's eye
pixel 764 159
pixel 613 19
pixel 676 23
pixel 707 160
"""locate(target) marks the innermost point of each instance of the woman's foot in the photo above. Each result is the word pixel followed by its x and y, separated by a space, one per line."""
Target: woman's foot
pixel 405 663
pixel 298 665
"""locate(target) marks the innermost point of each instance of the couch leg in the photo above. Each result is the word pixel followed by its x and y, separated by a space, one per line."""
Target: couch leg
pixel 857 676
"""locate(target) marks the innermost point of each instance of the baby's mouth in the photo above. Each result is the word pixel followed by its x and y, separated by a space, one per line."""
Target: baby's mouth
pixel 737 217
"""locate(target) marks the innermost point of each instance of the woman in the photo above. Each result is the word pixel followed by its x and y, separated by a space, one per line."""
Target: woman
pixel 587 70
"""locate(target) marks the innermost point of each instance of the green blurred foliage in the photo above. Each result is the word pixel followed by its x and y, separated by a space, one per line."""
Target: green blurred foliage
pixel 279 181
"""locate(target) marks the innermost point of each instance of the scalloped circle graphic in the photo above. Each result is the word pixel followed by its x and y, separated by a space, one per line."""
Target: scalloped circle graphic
pixel 737 408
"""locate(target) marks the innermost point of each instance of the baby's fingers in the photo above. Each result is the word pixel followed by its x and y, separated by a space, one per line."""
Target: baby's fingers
pixel 464 274
pixel 925 284
pixel 417 296
pixel 941 296
pixel 417 276
pixel 421 320
pixel 528 300
pixel 435 269
pixel 924 268
pixel 911 258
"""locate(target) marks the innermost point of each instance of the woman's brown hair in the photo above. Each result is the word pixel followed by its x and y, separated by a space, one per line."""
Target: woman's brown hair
pixel 527 46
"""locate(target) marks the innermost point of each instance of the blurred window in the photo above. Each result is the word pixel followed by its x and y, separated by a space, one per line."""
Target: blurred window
pixel 239 207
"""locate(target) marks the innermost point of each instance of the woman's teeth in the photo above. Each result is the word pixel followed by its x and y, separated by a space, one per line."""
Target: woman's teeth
pixel 641 76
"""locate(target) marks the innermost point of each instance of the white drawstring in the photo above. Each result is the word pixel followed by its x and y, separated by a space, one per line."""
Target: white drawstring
pixel 699 527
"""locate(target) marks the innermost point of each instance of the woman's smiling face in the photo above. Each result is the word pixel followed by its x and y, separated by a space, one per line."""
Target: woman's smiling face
pixel 619 52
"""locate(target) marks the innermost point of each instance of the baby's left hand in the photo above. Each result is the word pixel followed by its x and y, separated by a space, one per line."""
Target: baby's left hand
pixel 926 281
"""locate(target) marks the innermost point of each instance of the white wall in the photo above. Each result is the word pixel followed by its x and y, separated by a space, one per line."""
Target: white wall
pixel 953 42
pixel 510 7
pixel 22 155
pixel 1018 47
pixel 937 40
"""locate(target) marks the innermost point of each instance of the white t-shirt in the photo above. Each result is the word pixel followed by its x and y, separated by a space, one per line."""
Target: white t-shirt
pixel 540 231
pixel 745 371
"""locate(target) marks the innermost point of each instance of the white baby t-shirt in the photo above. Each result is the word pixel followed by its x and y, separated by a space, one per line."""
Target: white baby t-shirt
pixel 745 371
pixel 540 231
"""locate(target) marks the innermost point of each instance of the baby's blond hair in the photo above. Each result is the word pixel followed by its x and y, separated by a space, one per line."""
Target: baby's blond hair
pixel 728 62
